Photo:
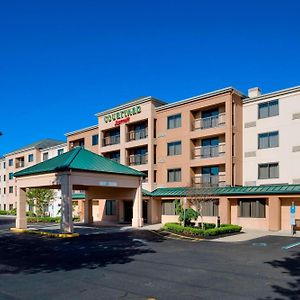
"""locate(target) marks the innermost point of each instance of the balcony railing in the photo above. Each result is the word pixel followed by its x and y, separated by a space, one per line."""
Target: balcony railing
pixel 20 164
pixel 209 122
pixel 137 134
pixel 138 159
pixel 207 180
pixel 111 140
pixel 209 151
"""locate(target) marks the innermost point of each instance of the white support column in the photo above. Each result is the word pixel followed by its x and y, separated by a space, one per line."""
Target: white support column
pixel 21 221
pixel 137 220
pixel 66 224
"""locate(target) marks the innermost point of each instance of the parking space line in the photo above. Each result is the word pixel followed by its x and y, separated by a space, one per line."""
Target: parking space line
pixel 290 246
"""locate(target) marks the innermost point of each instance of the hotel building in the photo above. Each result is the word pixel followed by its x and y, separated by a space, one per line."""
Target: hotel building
pixel 242 146
pixel 22 158
pixel 193 142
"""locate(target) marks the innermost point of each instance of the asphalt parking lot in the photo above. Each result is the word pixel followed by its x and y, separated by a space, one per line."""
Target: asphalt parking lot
pixel 143 265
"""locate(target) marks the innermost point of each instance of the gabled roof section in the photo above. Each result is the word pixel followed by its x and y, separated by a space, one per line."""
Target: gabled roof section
pixel 79 159
pixel 42 144
pixel 228 191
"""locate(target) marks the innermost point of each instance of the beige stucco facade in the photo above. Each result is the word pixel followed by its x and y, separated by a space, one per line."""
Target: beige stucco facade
pixel 19 160
pixel 208 139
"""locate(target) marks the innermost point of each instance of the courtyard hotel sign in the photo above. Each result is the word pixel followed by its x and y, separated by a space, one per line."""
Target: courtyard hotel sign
pixel 122 116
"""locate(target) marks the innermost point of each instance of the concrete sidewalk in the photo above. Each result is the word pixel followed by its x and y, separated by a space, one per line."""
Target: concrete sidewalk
pixel 248 234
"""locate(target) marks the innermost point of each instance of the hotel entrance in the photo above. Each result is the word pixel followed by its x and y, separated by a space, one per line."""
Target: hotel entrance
pixel 128 208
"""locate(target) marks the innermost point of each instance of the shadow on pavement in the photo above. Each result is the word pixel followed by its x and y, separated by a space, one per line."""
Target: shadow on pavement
pixel 291 267
pixel 27 253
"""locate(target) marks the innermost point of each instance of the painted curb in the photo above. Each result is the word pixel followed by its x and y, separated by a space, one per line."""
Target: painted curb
pixel 55 235
pixel 177 235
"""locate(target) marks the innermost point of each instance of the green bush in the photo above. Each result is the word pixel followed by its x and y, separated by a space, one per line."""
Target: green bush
pixel 30 214
pixel 177 228
pixel 47 219
pixel 208 225
pixel 43 219
pixel 12 212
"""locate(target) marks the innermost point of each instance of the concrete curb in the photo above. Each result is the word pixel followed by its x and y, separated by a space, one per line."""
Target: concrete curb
pixel 50 234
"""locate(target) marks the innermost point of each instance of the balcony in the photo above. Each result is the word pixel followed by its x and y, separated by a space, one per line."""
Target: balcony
pixel 209 122
pixel 137 134
pixel 138 159
pixel 20 164
pixel 111 140
pixel 208 151
pixel 207 180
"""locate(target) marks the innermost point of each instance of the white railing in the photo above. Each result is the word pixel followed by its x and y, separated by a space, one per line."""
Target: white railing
pixel 209 151
pixel 138 159
pixel 207 180
pixel 137 134
pixel 209 122
pixel 111 140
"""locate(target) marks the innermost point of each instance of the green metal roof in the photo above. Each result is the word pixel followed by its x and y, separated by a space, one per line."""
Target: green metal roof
pixel 227 191
pixel 79 159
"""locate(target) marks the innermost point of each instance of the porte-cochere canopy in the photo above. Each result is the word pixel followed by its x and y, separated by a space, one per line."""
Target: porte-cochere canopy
pixel 80 169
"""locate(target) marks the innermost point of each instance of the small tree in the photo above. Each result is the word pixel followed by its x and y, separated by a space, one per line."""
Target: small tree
pixel 40 199
pixel 198 196
pixel 186 215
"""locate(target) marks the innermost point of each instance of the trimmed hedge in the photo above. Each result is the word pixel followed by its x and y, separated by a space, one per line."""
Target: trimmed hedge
pixel 47 219
pixel 225 228
pixel 12 212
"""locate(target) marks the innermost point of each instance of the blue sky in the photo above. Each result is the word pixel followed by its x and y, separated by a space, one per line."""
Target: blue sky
pixel 63 61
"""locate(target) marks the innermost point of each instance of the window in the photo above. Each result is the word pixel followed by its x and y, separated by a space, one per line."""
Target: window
pixel 95 139
pixel 30 158
pixel 4 191
pixel 174 121
pixel 4 177
pixel 174 148
pixel 45 156
pixel 11 176
pixel 174 175
pixel 60 151
pixel 210 208
pixel 110 207
pixel 11 162
pixel 252 208
pixel 268 140
pixel 4 165
pixel 268 170
pixel 115 156
pixel 11 189
pixel 268 109
pixel 168 207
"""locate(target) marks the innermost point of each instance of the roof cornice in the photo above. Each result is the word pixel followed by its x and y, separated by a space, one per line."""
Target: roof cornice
pixel 82 130
pixel 279 93
pixel 200 97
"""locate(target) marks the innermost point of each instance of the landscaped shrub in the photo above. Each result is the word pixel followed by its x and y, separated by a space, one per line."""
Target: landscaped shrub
pixel 207 225
pixel 47 219
pixel 11 212
pixel 177 228
pixel 30 214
